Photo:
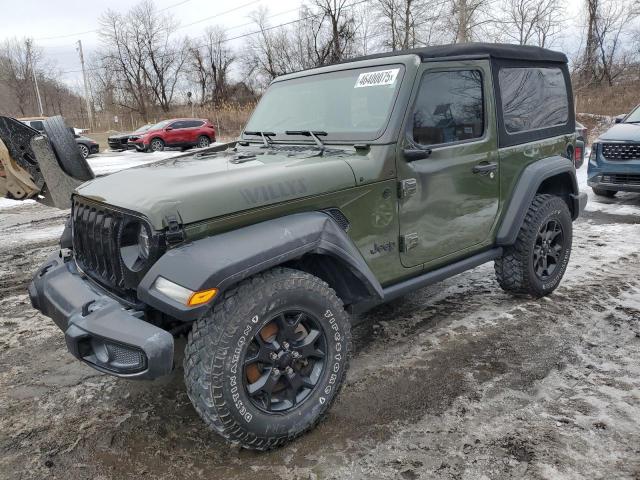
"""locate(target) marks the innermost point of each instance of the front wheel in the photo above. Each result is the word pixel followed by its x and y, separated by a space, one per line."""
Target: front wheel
pixel 536 263
pixel 267 363
pixel 156 145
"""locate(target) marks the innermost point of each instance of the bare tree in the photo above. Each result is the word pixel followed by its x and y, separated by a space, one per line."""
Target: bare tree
pixel 341 23
pixel 141 57
pixel 209 64
pixel 532 22
pixel 410 23
pixel 16 60
pixel 164 58
pixel 468 17
pixel 605 57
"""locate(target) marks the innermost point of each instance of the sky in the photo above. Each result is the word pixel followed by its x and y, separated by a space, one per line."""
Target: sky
pixel 56 25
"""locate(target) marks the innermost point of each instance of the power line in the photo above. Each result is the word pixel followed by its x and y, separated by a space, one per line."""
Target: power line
pixel 67 35
pixel 244 35
pixel 235 27
pixel 219 14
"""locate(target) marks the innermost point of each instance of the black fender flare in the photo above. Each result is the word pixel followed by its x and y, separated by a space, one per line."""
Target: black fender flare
pixel 526 188
pixel 223 260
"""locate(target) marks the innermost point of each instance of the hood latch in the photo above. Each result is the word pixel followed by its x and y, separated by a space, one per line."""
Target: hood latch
pixel 174 233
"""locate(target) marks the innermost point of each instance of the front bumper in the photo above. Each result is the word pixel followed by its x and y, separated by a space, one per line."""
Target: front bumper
pixel 140 146
pixel 98 329
pixel 615 182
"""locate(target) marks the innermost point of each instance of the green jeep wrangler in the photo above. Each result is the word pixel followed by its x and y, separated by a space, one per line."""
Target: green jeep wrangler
pixel 351 185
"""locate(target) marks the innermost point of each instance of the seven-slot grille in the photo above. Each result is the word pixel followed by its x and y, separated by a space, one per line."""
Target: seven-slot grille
pixel 621 151
pixel 96 230
pixel 621 179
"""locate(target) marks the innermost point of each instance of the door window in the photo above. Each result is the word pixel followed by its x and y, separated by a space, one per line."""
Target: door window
pixel 449 108
pixel 192 123
pixel 180 124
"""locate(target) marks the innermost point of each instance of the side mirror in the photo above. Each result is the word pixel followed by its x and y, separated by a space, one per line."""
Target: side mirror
pixel 413 154
pixel 619 118
pixel 168 129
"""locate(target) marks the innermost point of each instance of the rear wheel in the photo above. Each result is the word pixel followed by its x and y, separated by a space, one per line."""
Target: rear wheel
pixel 604 193
pixel 536 263
pixel 203 141
pixel 156 145
pixel 267 363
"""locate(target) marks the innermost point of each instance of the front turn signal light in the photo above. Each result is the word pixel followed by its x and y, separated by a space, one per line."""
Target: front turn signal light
pixel 198 298
pixel 183 295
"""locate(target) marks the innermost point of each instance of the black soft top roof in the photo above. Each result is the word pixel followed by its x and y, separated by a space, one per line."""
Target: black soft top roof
pixel 477 50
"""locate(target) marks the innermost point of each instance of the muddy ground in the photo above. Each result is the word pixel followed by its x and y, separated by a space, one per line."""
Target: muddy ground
pixel 456 381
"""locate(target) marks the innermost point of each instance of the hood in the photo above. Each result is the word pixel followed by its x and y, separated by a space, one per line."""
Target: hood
pixel 621 132
pixel 120 135
pixel 207 185
pixel 85 139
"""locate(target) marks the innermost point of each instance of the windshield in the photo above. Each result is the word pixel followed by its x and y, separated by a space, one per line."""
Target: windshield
pixel 634 117
pixel 347 105
pixel 159 125
pixel 144 128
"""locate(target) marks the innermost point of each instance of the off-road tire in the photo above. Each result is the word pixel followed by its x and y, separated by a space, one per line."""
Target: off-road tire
pixel 66 149
pixel 217 344
pixel 515 269
pixel 160 145
pixel 604 193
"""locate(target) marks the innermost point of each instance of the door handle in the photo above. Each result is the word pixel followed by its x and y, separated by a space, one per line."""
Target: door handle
pixel 485 168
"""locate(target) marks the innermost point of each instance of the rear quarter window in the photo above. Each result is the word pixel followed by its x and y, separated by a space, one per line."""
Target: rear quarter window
pixel 533 98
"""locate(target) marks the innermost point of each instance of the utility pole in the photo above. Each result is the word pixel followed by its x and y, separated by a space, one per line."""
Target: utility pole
pixel 35 77
pixel 86 86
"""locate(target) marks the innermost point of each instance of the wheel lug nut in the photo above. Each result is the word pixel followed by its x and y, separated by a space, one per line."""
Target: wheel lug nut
pixel 285 345
pixel 296 355
pixel 288 370
pixel 273 356
pixel 275 372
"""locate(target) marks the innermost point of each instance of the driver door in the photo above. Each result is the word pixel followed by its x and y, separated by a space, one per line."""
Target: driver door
pixel 174 134
pixel 450 196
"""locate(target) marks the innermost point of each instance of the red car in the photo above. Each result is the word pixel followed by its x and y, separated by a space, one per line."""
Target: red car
pixel 177 132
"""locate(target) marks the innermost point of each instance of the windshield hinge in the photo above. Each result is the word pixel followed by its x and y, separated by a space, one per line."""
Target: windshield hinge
pixel 174 233
pixel 407 187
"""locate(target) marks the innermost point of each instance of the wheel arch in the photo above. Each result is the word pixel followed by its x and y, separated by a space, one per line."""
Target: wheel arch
pixel 553 175
pixel 312 242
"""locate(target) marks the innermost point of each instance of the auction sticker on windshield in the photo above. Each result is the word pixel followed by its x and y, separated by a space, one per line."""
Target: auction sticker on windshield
pixel 375 79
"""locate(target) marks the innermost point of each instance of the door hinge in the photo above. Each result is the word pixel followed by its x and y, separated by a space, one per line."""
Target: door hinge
pixel 408 241
pixel 174 233
pixel 407 187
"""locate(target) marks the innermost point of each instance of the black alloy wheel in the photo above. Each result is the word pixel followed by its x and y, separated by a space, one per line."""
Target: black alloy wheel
pixel 548 249
pixel 284 361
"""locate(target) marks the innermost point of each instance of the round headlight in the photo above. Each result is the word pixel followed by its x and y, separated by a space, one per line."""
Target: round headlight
pixel 135 245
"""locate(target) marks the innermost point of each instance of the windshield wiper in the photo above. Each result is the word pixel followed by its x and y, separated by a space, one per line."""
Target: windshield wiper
pixel 265 136
pixel 313 134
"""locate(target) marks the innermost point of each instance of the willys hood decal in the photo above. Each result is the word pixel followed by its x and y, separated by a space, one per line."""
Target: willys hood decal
pixel 209 185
